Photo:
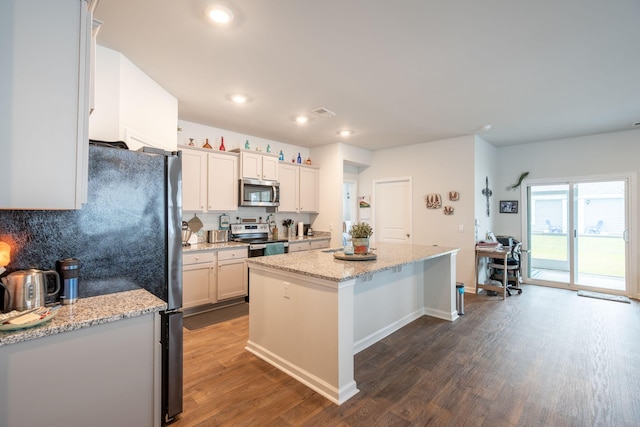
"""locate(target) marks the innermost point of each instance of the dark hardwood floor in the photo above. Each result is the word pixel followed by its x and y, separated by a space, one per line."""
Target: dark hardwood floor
pixel 544 358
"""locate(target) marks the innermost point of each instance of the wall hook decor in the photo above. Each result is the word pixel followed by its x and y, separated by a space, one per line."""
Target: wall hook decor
pixel 517 184
pixel 433 201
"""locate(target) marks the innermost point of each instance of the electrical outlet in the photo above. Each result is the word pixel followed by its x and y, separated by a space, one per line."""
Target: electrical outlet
pixel 461 228
pixel 286 290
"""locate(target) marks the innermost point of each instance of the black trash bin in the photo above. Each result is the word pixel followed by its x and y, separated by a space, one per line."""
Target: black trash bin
pixel 460 298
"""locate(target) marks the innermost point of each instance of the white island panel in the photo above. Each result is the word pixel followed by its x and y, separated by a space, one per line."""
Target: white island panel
pixel 310 313
pixel 304 329
pixel 385 302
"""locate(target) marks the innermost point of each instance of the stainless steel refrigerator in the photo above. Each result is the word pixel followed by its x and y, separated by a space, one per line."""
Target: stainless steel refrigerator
pixel 140 193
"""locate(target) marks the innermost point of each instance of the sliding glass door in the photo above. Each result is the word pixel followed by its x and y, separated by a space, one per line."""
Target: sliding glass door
pixel 576 234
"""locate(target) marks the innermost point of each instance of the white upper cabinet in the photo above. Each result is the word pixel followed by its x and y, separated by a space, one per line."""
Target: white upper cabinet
pixel 309 195
pixel 209 180
pixel 44 103
pixel 289 188
pixel 254 165
pixel 194 180
pixel 298 188
pixel 222 184
pixel 130 106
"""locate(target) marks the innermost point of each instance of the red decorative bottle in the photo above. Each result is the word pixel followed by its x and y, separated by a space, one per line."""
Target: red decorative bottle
pixel 222 143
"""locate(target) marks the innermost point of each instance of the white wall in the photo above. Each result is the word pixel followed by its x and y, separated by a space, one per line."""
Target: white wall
pixel 435 167
pixel 232 140
pixel 333 159
pixel 486 166
pixel 603 154
pixel 130 106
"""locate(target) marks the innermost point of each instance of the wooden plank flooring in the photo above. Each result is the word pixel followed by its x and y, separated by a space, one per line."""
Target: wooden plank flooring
pixel 543 358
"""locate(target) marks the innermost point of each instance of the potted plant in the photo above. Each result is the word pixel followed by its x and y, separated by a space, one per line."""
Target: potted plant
pixel 360 234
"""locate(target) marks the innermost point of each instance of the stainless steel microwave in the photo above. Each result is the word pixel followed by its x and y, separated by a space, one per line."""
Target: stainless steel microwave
pixel 254 192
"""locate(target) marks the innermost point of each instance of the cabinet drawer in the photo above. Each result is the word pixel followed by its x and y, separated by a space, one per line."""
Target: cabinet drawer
pixel 319 244
pixel 198 257
pixel 299 247
pixel 232 254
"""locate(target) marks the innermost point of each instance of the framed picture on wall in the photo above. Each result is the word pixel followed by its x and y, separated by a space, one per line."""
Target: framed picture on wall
pixel 508 206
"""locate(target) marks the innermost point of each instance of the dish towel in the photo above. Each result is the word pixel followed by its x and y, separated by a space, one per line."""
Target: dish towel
pixel 274 248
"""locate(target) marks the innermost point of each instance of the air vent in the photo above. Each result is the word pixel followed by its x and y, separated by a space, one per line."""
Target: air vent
pixel 323 112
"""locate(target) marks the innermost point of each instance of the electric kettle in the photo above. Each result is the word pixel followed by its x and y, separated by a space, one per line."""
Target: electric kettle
pixel 28 288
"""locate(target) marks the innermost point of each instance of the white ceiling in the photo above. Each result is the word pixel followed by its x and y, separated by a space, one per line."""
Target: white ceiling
pixel 396 72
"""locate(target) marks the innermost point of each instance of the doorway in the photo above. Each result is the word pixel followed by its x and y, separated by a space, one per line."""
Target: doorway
pixel 577 234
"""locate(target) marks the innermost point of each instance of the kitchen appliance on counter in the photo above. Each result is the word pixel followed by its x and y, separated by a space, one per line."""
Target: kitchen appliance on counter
pixel 185 234
pixel 27 289
pixel 217 236
pixel 257 236
pixel 255 192
pixel 69 271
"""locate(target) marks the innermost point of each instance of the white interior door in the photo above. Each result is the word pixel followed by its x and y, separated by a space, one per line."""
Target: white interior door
pixel 392 210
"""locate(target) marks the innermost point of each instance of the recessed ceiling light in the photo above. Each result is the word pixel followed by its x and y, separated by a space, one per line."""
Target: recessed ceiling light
pixel 239 98
pixel 484 128
pixel 220 14
pixel 302 119
pixel 345 132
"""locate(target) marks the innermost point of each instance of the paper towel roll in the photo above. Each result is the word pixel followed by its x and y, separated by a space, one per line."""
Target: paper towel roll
pixel 301 229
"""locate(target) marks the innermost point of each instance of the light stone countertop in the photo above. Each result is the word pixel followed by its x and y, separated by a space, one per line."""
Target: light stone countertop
pixel 318 235
pixel 213 246
pixel 87 312
pixel 320 263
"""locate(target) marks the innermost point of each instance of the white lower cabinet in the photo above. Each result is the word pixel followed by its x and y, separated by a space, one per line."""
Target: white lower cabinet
pixel 232 273
pixel 308 245
pixel 102 376
pixel 199 282
pixel 214 275
pixel 299 246
pixel 319 244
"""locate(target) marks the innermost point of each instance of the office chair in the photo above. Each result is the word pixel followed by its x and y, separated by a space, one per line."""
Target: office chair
pixel 514 265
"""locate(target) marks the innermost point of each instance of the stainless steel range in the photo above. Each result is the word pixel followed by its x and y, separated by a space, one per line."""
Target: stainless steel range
pixel 257 235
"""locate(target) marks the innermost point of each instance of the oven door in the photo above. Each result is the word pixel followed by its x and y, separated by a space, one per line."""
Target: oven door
pixel 254 192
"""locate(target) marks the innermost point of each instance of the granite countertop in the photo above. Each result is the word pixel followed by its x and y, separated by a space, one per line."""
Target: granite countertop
pixel 320 263
pixel 318 235
pixel 213 246
pixel 87 312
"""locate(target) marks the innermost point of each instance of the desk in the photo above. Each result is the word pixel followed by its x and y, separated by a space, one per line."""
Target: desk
pixel 497 254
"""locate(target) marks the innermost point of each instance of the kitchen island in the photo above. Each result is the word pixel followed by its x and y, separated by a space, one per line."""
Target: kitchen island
pixel 310 313
pixel 97 362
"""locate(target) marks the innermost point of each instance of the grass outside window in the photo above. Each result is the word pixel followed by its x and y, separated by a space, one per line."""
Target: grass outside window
pixel 601 255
